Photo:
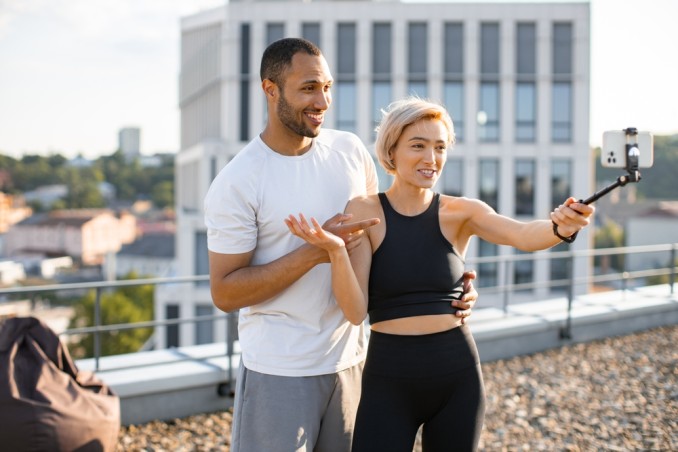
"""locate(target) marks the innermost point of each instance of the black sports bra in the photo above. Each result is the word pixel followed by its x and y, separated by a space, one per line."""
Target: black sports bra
pixel 415 271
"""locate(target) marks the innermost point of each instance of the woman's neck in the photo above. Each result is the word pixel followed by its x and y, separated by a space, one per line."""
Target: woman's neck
pixel 409 201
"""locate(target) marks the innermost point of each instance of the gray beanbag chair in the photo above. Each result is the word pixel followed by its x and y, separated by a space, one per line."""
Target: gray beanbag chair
pixel 46 404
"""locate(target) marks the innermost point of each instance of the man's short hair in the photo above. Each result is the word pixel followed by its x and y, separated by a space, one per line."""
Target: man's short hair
pixel 278 57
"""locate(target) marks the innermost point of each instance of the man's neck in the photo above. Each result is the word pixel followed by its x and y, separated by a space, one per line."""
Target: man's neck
pixel 286 144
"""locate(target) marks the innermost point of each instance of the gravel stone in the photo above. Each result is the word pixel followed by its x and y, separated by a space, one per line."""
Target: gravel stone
pixel 616 394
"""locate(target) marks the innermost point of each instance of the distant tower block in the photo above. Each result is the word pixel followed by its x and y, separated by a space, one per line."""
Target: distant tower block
pixel 129 139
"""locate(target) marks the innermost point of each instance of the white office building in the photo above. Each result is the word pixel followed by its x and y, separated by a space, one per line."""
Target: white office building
pixel 129 142
pixel 515 77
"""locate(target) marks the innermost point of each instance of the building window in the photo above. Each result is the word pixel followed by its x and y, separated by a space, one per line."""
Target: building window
pixel 561 181
pixel 561 101
pixel 453 85
pixel 381 71
pixel 453 177
pixel 385 179
pixel 172 331
pixel 488 115
pixel 204 329
pixel 417 59
pixel 489 182
pixel 244 82
pixel 526 112
pixel 489 49
pixel 311 32
pixel 526 85
pixel 345 88
pixel 560 268
pixel 487 271
pixel 202 263
pixel 344 98
pixel 523 270
pixel 561 189
pixel 381 97
pixel 454 102
pixel 561 113
pixel 525 181
pixel 562 49
pixel 213 170
pixel 526 50
pixel 274 31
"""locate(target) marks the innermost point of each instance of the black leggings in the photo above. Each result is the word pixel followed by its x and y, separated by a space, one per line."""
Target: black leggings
pixel 434 380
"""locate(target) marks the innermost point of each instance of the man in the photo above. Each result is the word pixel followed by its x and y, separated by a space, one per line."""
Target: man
pixel 299 381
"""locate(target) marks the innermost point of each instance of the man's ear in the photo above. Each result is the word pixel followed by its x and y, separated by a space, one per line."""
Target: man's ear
pixel 269 88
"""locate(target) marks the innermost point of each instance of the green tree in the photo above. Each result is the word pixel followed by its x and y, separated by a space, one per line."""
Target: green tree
pixel 661 279
pixel 610 235
pixel 125 305
pixel 83 189
pixel 162 194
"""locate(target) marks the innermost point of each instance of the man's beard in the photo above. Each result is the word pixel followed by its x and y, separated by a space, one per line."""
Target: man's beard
pixel 287 116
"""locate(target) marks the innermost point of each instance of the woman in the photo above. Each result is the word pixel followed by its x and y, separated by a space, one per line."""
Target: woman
pixel 422 365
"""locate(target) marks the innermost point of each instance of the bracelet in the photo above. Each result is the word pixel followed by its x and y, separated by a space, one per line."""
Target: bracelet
pixel 569 239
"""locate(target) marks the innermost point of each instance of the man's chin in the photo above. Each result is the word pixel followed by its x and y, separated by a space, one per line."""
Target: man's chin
pixel 312 133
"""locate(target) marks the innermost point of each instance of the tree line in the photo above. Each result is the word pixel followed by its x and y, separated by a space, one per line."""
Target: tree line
pixel 130 179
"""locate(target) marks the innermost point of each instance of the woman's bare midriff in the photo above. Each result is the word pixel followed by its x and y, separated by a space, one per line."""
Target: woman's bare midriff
pixel 416 326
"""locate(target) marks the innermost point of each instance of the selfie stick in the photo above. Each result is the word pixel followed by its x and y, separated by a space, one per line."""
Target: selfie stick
pixel 632 156
pixel 632 159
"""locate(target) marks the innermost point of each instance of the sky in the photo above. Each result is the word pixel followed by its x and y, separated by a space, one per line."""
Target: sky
pixel 74 72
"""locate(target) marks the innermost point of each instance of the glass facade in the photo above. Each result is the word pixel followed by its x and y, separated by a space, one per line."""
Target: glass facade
pixel 561 189
pixel 488 105
pixel 526 112
pixel 202 263
pixel 345 106
pixel 488 177
pixel 171 331
pixel 561 113
pixel 204 329
pixel 453 177
pixel 526 84
pixel 523 270
pixel 524 186
pixel 488 114
pixel 559 270
pixel 417 59
pixel 344 97
pixel 311 32
pixel 382 91
pixel 274 31
pixel 488 272
pixel 381 96
pixel 244 134
pixel 561 181
pixel 453 84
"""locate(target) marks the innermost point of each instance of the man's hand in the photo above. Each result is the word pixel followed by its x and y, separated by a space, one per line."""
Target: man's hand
pixel 351 233
pixel 468 300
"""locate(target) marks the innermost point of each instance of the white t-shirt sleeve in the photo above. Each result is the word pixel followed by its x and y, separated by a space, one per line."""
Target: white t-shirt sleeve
pixel 230 215
pixel 371 174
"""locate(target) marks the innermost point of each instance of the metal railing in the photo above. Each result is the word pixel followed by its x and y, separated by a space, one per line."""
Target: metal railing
pixel 505 264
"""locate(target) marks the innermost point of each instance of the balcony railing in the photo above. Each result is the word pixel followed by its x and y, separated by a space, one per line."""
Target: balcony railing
pixel 505 265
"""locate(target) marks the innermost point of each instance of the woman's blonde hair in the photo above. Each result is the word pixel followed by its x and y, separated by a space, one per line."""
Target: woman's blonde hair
pixel 400 114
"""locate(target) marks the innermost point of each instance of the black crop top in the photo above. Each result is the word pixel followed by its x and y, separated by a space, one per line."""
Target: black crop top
pixel 415 271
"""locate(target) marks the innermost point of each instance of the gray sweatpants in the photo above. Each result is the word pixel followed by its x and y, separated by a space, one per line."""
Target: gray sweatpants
pixel 302 414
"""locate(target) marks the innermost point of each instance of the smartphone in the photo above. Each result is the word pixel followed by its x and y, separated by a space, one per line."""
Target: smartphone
pixel 613 154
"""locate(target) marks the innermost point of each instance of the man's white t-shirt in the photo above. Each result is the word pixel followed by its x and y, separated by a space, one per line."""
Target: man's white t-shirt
pixel 301 331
